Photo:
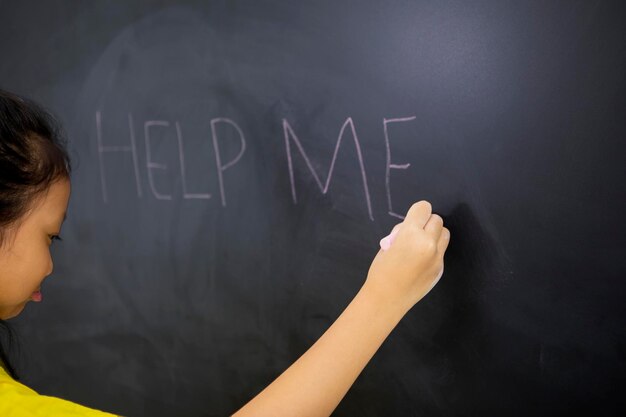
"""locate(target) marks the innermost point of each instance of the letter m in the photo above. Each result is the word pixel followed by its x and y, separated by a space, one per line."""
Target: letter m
pixel 291 136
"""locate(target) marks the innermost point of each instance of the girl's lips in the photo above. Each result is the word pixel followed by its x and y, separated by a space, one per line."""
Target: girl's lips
pixel 36 297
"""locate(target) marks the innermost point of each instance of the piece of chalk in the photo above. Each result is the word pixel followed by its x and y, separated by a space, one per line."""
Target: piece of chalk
pixel 385 243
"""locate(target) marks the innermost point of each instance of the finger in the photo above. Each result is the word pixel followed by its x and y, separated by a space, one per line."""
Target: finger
pixel 396 228
pixel 419 213
pixel 444 241
pixel 434 226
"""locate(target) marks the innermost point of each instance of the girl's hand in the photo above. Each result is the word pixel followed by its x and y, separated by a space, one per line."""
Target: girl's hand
pixel 398 278
pixel 403 274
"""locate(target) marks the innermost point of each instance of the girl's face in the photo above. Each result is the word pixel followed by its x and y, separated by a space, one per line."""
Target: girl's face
pixel 25 257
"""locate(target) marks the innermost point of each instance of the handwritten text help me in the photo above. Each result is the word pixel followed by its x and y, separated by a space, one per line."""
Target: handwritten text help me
pixel 290 138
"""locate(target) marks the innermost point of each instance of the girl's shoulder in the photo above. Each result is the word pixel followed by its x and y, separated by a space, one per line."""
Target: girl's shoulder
pixel 18 400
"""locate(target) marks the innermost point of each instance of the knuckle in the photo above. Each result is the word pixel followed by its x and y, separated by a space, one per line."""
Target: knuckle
pixel 412 227
pixel 429 247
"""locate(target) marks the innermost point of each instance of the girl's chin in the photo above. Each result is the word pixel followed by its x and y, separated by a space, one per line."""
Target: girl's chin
pixel 10 312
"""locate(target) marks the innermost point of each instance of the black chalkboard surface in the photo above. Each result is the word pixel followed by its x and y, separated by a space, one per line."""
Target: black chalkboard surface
pixel 237 162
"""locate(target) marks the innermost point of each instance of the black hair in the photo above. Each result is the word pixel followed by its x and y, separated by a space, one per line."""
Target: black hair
pixel 32 157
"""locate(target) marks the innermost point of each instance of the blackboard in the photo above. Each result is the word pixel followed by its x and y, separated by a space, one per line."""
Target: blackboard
pixel 237 162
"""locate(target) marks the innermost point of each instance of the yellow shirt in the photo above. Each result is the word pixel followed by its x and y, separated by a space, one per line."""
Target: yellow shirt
pixel 17 400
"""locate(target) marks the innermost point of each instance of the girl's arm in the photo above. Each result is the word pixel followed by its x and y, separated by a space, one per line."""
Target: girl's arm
pixel 398 278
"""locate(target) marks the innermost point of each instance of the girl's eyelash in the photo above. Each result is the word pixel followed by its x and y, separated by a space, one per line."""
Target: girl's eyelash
pixel 56 237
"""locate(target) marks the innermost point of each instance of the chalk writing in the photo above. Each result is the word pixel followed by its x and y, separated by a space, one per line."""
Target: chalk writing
pixel 101 149
pixel 150 165
pixel 183 176
pixel 391 166
pixel 288 132
pixel 218 159
pixel 220 123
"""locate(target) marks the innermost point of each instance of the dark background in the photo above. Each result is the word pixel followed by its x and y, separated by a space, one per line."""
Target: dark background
pixel 189 307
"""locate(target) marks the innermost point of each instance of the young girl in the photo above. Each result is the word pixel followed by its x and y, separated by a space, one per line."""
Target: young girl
pixel 34 193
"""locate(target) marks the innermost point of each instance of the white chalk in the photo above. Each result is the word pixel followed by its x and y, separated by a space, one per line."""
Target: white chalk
pixel 385 243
